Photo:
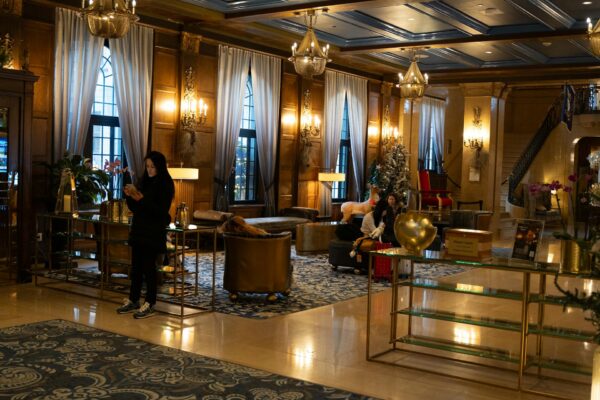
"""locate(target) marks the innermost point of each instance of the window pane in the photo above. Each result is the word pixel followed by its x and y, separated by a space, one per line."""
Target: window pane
pixel 339 190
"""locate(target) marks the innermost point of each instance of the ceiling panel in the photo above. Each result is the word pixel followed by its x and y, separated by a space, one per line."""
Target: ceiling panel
pixel 578 10
pixel 485 52
pixel 334 26
pixel 491 12
pixel 558 49
pixel 408 19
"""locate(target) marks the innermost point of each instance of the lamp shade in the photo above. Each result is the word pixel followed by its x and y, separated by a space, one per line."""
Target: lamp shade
pixel 183 173
pixel 331 177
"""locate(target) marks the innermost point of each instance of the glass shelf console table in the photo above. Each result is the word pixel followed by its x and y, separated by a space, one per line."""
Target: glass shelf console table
pixel 91 240
pixel 499 322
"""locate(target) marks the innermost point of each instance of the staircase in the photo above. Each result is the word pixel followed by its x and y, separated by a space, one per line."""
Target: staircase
pixel 585 101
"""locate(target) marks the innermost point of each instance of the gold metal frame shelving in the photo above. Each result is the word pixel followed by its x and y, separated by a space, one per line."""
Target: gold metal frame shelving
pixel 102 236
pixel 405 343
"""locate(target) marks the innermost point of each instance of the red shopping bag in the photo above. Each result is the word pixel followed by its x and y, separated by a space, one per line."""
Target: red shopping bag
pixel 382 265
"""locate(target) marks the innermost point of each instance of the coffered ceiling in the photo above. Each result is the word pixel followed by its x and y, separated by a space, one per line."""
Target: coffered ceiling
pixel 455 40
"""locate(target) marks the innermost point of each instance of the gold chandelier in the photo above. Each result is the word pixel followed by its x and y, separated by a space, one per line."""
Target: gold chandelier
pixel 109 19
pixel 309 58
pixel 412 85
pixel 594 36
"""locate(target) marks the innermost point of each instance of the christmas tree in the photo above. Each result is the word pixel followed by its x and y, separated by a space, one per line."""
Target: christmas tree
pixel 392 174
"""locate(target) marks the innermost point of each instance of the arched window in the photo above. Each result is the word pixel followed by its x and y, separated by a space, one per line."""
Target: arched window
pixel 339 190
pixel 104 135
pixel 243 183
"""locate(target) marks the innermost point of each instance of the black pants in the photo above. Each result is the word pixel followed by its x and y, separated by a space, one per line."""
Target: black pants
pixel 144 264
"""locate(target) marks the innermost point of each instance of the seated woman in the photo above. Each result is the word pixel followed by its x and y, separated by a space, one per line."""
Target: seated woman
pixel 393 205
pixel 372 227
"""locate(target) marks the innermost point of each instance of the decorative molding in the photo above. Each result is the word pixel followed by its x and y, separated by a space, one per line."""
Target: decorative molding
pixel 190 42
pixel 14 7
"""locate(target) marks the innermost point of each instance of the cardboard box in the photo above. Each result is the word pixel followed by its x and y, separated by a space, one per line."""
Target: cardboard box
pixel 468 244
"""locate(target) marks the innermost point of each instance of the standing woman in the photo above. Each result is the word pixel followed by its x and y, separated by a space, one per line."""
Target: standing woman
pixel 150 203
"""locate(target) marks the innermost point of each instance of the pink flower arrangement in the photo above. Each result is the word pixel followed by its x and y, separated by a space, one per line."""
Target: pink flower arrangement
pixel 116 172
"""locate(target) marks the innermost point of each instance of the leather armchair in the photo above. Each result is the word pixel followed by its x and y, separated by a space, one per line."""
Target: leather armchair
pixel 258 264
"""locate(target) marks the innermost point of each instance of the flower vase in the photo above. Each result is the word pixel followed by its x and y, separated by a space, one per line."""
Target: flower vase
pixel 574 259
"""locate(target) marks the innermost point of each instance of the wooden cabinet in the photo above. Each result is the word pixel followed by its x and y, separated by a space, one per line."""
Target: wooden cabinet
pixel 16 107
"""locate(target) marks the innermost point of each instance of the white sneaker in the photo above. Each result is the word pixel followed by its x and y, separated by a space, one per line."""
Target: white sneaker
pixel 145 311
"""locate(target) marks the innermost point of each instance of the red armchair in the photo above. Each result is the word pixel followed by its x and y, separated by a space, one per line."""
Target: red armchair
pixel 429 197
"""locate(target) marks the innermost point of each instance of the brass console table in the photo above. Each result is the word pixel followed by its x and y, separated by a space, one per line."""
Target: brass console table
pixel 519 344
pixel 91 237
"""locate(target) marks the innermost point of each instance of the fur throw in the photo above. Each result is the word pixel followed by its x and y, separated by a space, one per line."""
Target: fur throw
pixel 237 224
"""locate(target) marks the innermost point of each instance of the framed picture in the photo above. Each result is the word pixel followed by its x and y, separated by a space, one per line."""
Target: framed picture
pixel 3 119
pixel 527 238
pixel 474 174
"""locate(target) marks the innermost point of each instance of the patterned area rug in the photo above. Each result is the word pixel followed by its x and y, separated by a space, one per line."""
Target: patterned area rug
pixel 315 284
pixel 64 360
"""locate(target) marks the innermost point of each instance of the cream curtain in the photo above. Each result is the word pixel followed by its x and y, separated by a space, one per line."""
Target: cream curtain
pixel 233 72
pixel 335 96
pixel 357 114
pixel 266 84
pixel 431 130
pixel 132 66
pixel 77 56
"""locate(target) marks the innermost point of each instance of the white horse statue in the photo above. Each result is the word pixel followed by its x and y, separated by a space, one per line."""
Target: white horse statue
pixel 354 207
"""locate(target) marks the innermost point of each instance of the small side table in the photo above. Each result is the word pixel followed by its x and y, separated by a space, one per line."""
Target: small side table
pixel 314 237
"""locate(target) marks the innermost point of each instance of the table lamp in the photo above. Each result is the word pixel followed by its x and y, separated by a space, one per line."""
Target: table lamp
pixel 330 177
pixel 184 186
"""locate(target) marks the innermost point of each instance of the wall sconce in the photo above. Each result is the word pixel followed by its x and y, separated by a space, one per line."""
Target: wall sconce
pixel 389 134
pixel 474 141
pixel 310 127
pixel 6 51
pixel 193 111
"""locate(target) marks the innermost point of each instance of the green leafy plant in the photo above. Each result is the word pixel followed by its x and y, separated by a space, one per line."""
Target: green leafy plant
pixel 91 184
pixel 586 302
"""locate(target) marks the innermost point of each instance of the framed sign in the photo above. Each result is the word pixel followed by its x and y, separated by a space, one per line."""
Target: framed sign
pixel 527 238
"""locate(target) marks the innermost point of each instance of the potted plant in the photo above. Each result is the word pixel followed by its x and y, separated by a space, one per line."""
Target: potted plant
pixel 91 184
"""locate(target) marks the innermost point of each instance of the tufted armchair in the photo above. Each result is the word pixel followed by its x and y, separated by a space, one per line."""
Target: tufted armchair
pixel 258 264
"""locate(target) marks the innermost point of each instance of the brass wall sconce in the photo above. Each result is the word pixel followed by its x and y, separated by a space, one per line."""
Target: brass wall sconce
pixel 474 140
pixel 474 143
pixel 310 126
pixel 477 123
pixel 193 111
pixel 389 133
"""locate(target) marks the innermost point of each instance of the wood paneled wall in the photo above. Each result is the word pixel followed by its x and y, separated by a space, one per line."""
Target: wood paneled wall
pixel 297 183
pixel 39 39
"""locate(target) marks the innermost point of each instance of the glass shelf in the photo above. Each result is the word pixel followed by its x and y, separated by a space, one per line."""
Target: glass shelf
pixel 463 319
pixel 563 333
pixel 497 261
pixel 467 349
pixel 559 365
pixel 463 288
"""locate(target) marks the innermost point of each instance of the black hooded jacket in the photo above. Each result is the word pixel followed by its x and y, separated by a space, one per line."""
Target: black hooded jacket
pixel 151 214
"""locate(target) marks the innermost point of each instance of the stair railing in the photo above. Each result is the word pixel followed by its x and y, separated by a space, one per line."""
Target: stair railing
pixel 587 100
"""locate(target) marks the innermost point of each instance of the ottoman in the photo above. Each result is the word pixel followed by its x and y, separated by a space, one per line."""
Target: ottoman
pixel 339 256
pixel 314 237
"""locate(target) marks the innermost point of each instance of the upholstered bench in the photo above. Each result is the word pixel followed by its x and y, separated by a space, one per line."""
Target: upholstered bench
pixel 314 237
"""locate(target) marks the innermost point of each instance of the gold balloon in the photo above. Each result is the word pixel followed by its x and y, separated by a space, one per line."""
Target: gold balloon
pixel 414 231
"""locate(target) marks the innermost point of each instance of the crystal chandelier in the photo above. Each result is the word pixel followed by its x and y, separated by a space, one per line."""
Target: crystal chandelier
pixel 109 19
pixel 594 36
pixel 412 85
pixel 309 58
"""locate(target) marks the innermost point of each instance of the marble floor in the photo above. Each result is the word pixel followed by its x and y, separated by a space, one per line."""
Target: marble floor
pixel 326 345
